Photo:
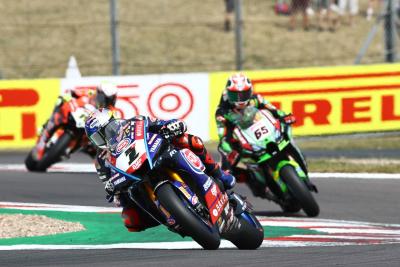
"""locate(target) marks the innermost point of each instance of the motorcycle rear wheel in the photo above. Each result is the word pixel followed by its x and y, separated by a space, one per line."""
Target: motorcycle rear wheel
pixel 250 233
pixel 54 153
pixel 299 191
pixel 188 220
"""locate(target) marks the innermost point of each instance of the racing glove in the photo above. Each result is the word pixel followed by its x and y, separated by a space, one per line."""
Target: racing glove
pixel 116 183
pixel 288 119
pixel 172 129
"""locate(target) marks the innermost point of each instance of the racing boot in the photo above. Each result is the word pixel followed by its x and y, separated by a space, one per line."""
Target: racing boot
pixel 258 188
pixel 227 179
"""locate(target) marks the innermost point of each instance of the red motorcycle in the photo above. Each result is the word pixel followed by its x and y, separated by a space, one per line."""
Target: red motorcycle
pixel 64 139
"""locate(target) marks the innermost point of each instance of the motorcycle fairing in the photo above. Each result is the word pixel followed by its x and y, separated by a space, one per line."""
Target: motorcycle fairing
pixel 129 158
pixel 193 161
pixel 215 199
pixel 154 143
pixel 267 156
pixel 116 170
pixel 264 127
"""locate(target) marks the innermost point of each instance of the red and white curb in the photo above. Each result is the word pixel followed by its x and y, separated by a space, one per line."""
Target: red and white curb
pixel 332 232
pixel 89 168
pixel 328 232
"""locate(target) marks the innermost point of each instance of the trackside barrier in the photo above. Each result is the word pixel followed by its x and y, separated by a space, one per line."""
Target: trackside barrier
pixel 24 106
pixel 330 100
pixel 164 96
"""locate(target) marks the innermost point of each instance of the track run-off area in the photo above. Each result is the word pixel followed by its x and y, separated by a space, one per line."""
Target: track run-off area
pixel 103 231
pixel 359 224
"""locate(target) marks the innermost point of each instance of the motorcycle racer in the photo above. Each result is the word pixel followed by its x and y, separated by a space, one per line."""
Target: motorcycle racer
pixel 238 94
pixel 104 131
pixel 105 95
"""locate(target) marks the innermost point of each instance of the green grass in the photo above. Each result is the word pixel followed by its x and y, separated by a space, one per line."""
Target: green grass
pixel 389 141
pixel 38 36
pixel 353 165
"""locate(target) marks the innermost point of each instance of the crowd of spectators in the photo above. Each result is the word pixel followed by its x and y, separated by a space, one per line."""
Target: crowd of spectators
pixel 329 14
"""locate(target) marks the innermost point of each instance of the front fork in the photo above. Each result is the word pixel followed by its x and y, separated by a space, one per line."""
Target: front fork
pixel 300 172
pixel 215 200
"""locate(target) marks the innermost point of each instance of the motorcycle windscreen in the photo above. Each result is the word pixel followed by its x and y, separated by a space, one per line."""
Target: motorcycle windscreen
pixel 130 146
pixel 114 133
pixel 98 139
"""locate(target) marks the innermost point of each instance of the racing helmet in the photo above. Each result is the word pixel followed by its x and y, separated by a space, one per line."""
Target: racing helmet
pixel 239 90
pixel 95 126
pixel 106 95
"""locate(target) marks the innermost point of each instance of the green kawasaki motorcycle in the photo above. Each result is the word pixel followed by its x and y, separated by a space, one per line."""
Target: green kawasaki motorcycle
pixel 274 166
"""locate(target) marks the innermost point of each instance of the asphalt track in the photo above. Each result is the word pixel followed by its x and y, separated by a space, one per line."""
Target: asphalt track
pixel 340 199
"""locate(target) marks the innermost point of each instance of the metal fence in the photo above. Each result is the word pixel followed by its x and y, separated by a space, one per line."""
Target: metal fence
pixel 38 36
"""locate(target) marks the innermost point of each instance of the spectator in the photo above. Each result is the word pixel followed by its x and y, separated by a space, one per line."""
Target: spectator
pixel 282 7
pixel 334 16
pixel 370 9
pixel 323 13
pixel 229 8
pixel 296 7
pixel 352 6
pixel 372 5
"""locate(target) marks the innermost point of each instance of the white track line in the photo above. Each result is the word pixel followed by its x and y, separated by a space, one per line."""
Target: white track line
pixel 56 207
pixel 338 232
pixel 361 175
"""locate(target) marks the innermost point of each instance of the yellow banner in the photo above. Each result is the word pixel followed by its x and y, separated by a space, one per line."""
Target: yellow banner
pixel 329 100
pixel 24 106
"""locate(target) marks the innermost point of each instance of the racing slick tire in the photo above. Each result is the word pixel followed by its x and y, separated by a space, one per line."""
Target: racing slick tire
pixel 30 162
pixel 299 191
pixel 54 153
pixel 190 221
pixel 248 234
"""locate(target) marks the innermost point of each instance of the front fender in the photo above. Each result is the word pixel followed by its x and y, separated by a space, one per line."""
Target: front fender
pixel 296 166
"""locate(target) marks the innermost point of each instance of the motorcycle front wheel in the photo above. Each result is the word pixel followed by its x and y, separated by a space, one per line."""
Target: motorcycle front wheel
pixel 54 153
pixel 191 222
pixel 299 191
pixel 30 162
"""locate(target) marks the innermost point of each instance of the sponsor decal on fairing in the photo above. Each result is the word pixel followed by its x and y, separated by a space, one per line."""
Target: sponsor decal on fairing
pixel 193 161
pixel 123 144
pixel 119 181
pixel 207 184
pixel 154 147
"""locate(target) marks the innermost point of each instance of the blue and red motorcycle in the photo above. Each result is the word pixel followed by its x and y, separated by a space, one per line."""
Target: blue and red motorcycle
pixel 170 186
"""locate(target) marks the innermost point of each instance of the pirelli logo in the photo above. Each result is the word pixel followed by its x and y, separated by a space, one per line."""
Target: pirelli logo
pixel 336 100
pixel 24 106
